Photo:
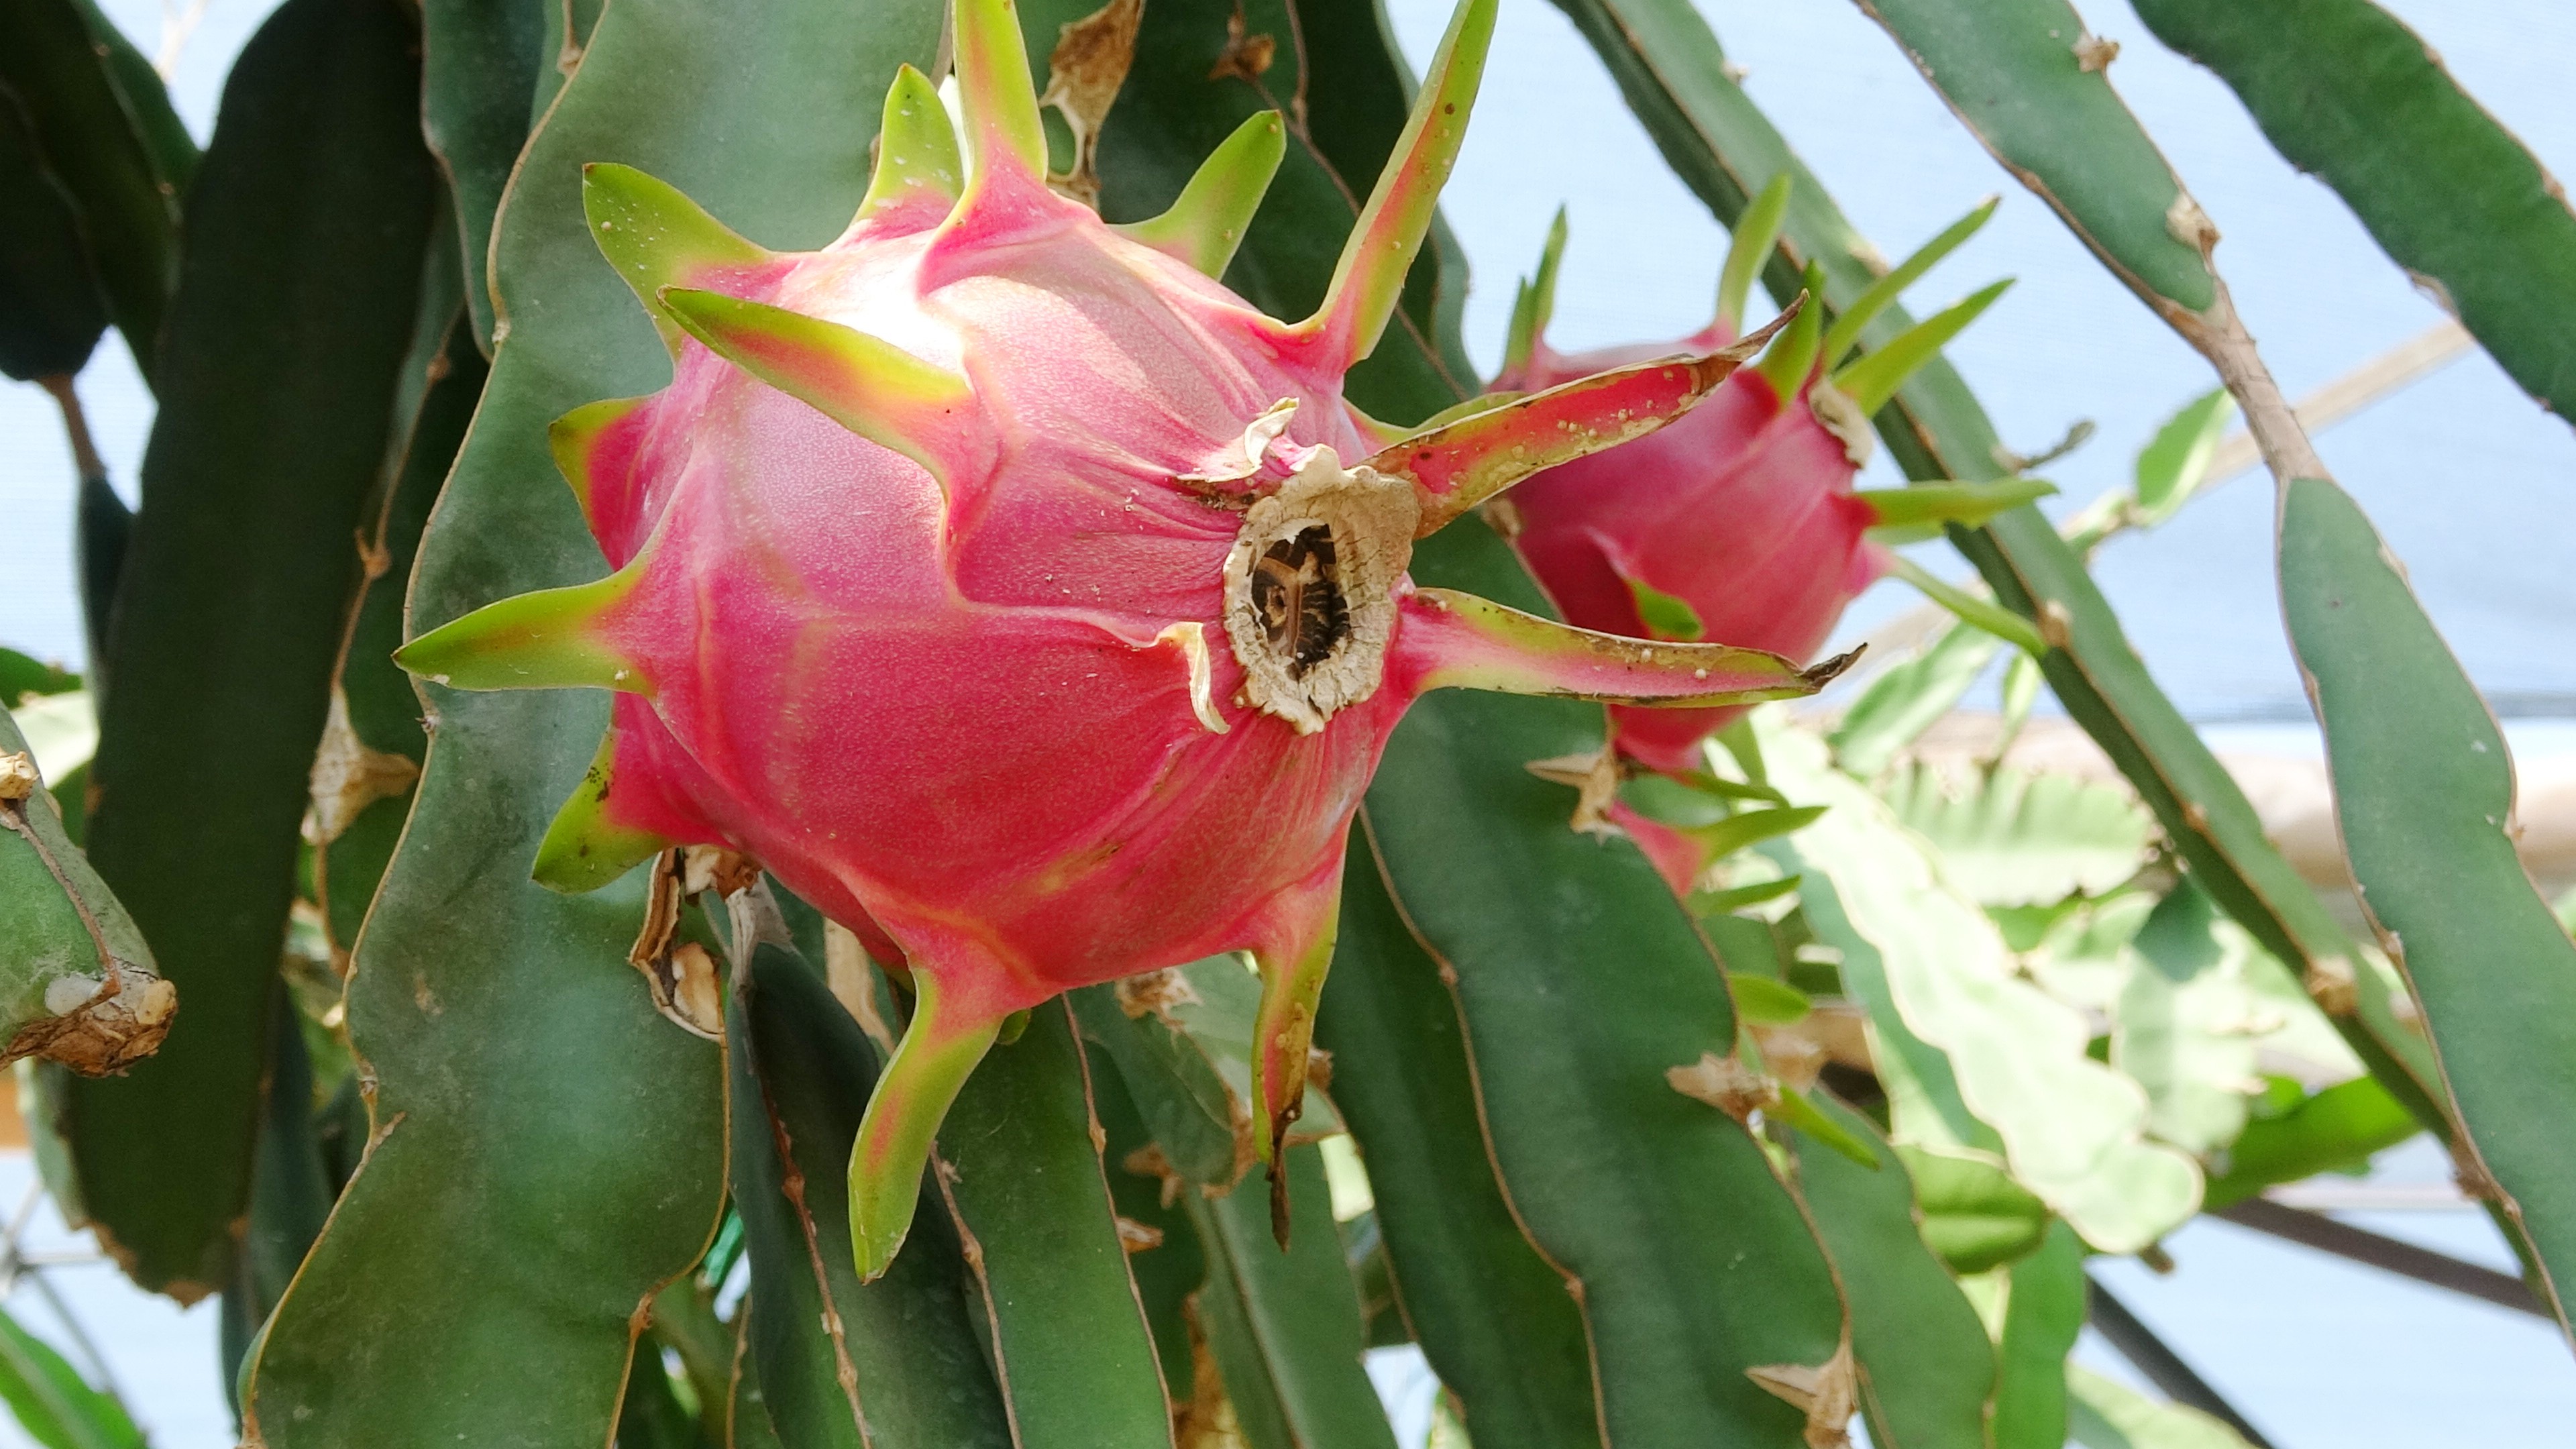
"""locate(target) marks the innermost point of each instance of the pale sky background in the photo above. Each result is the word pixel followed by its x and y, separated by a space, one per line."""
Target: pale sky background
pixel 2468 479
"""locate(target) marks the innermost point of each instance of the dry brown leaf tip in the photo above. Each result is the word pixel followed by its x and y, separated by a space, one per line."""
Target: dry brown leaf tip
pixel 1158 993
pixel 1594 777
pixel 1084 72
pixel 1827 1393
pixel 1247 54
pixel 1725 1083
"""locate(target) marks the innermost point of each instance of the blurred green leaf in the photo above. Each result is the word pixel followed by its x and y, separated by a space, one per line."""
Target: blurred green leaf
pixel 2330 1131
pixel 2107 1414
pixel 1765 1002
pixel 21 676
pixel 2424 803
pixel 1906 698
pixel 2012 838
pixel 2354 98
pixel 51 313
pixel 102 124
pixel 52 1402
pixel 1967 1046
pixel 61 730
pixel 2175 462
pixel 2044 1311
pixel 2187 1022
pixel 1974 1215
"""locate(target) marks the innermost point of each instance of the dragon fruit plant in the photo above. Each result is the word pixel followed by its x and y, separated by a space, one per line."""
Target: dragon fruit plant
pixel 1019 575
pixel 988 492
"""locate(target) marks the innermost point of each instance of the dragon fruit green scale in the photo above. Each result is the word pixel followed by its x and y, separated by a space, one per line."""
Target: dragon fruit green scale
pixel 1019 595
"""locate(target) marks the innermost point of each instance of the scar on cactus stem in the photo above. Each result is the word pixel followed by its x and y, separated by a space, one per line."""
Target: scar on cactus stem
pixel 1023 598
pixel 1739 521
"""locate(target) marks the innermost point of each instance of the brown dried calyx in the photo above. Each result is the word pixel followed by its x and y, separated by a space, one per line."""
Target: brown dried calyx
pixel 98 1025
pixel 1310 588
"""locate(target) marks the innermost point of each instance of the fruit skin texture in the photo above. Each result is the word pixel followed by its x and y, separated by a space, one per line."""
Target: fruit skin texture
pixel 1743 509
pixel 1023 598
pixel 956 716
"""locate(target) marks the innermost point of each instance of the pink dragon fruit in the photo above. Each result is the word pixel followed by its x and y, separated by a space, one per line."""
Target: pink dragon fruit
pixel 1740 521
pixel 1021 596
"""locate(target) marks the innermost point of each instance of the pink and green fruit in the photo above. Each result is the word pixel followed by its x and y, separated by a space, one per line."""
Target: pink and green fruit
pixel 1023 598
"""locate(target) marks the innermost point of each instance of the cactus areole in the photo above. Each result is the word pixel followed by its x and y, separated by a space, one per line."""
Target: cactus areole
pixel 1022 597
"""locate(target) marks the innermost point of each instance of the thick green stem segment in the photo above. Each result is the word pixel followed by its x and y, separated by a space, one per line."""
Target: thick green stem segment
pixel 279 367
pixel 101 123
pixel 2033 84
pixel 930 1064
pixel 2352 97
pixel 1370 276
pixel 500 1019
pixel 840 1364
pixel 2424 801
pixel 1023 1178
